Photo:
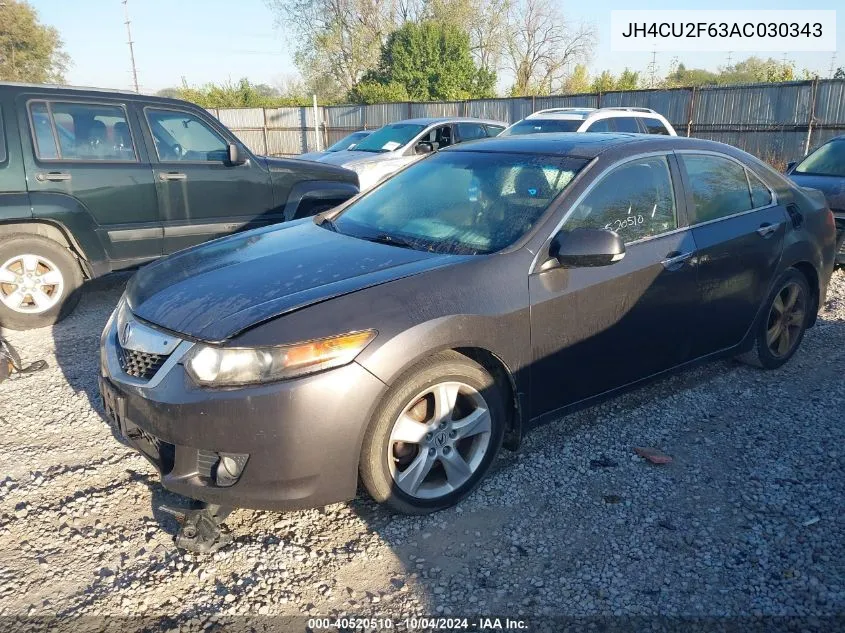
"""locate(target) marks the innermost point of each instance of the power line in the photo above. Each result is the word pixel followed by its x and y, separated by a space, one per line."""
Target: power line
pixel 131 46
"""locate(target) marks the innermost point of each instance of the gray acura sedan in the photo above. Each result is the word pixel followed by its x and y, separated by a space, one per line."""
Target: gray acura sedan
pixel 401 339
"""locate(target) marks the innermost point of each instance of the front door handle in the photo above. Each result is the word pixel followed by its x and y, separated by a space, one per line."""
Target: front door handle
pixel 52 176
pixel 171 175
pixel 675 260
pixel 767 230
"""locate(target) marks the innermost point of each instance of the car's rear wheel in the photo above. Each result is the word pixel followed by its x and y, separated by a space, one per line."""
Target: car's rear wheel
pixel 39 280
pixel 781 329
pixel 434 437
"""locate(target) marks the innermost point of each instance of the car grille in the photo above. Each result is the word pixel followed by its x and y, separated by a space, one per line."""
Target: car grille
pixel 137 364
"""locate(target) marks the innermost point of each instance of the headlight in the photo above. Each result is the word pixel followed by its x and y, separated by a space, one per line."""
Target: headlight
pixel 232 366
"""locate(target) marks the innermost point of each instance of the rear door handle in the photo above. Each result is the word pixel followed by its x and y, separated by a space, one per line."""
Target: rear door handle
pixel 52 176
pixel 171 175
pixel 767 230
pixel 676 260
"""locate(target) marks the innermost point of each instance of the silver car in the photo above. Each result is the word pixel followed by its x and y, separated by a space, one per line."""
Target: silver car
pixel 395 145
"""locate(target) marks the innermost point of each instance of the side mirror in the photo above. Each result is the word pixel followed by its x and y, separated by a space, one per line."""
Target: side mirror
pixel 423 148
pixel 790 166
pixel 581 248
pixel 234 156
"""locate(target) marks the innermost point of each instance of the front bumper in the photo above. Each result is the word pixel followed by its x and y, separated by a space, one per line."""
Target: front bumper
pixel 300 438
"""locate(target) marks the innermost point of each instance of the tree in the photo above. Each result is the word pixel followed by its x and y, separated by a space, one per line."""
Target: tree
pixel 682 76
pixel 29 51
pixel 485 21
pixel 757 70
pixel 578 81
pixel 628 80
pixel 540 45
pixel 840 73
pixel 430 61
pixel 243 94
pixel 605 82
pixel 337 41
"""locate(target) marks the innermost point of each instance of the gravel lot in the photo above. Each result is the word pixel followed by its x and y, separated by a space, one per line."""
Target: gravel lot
pixel 748 519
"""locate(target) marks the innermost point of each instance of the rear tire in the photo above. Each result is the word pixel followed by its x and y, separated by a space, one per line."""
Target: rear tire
pixel 781 327
pixel 39 282
pixel 446 448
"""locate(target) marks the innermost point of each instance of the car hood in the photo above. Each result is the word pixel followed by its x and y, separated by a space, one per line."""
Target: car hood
pixel 310 156
pixel 350 158
pixel 833 188
pixel 216 290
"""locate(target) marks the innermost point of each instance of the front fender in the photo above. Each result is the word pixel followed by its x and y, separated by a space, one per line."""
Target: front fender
pixel 304 195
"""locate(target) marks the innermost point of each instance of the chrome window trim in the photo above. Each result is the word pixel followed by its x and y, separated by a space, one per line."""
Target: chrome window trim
pixel 772 192
pixel 664 153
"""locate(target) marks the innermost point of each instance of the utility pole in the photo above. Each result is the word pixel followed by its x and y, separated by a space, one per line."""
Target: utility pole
pixel 730 58
pixel 652 69
pixel 131 47
pixel 832 65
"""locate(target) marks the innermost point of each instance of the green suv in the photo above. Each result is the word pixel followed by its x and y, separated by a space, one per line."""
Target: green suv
pixel 94 181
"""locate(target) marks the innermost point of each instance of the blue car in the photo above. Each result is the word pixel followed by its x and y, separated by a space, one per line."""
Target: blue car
pixel 824 169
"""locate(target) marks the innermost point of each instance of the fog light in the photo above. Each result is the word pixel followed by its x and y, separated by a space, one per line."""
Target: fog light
pixel 229 468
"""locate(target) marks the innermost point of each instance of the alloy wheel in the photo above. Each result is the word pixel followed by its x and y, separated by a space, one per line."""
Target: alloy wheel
pixel 30 284
pixel 439 440
pixel 786 320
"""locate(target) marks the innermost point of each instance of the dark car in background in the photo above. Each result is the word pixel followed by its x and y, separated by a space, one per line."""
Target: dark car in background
pixel 347 143
pixel 824 169
pixel 489 287
pixel 93 181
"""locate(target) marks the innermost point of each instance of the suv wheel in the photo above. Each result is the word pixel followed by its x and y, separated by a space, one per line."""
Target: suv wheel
pixel 434 437
pixel 38 282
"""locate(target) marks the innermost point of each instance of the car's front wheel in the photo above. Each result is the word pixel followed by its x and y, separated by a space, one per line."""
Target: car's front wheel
pixel 434 436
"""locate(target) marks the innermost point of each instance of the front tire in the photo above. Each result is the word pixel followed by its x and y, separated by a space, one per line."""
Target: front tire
pixel 435 435
pixel 39 282
pixel 781 328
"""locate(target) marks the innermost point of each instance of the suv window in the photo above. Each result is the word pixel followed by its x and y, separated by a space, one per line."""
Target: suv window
pixel 636 200
pixel 626 124
pixel 180 136
pixel 81 131
pixel 495 130
pixel 654 126
pixel 470 131
pixel 719 187
pixel 602 125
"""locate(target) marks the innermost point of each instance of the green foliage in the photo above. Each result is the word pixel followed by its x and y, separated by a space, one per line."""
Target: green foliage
pixel 242 94
pixel 840 73
pixel 426 61
pixel 29 50
pixel 370 91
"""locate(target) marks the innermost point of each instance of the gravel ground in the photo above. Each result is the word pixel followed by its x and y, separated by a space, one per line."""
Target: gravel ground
pixel 748 518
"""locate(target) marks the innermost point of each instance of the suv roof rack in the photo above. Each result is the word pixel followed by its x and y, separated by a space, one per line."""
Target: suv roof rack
pixel 630 109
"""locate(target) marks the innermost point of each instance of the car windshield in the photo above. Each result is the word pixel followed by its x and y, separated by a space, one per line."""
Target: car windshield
pixel 543 126
pixel 828 160
pixel 347 141
pixel 389 137
pixel 460 201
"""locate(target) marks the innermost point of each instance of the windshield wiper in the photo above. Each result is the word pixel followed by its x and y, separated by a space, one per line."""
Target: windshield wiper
pixel 392 240
pixel 328 223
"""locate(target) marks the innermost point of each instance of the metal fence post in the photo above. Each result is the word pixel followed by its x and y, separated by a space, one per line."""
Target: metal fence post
pixel 264 129
pixel 690 111
pixel 813 93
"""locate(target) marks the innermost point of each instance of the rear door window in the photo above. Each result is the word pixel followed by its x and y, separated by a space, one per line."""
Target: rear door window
pixel 81 132
pixel 718 185
pixel 602 125
pixel 470 131
pixel 761 195
pixel 626 124
pixel 654 126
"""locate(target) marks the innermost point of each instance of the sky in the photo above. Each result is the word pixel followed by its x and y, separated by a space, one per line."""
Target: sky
pixel 221 40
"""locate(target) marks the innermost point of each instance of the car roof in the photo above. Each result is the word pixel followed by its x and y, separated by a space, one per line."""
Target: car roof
pixel 447 119
pixel 587 144
pixel 85 91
